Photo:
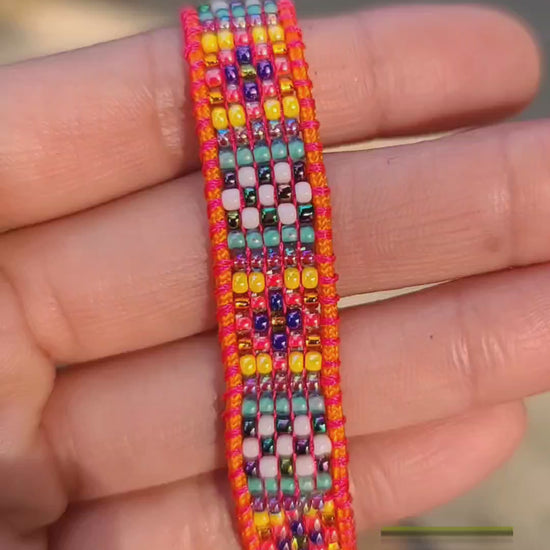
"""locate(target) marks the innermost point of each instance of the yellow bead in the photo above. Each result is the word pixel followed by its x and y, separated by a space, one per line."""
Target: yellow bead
pixel 313 361
pixel 286 85
pixel 292 278
pixel 248 365
pixel 333 546
pixel 272 109
pixel 328 507
pixel 310 279
pixel 276 33
pixel 237 116
pixel 219 118
pixel 259 35
pixel 291 107
pixel 264 363
pixel 261 520
pixel 209 42
pixel 240 283
pixel 296 362
pixel 211 60
pixel 225 40
pixel 279 48
pixel 256 281
pixel 277 518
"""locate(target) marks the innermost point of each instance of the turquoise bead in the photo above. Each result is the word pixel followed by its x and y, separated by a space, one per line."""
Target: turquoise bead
pixel 249 408
pixel 238 11
pixel 244 157
pixel 204 8
pixel 299 405
pixel 261 154
pixel 266 405
pixel 316 404
pixel 235 239
pixel 270 7
pixel 254 10
pixel 289 234
pixel 255 485
pixel 206 16
pixel 272 237
pixel 278 150
pixel 296 149
pixel 271 486
pixel 287 485
pixel 306 484
pixel 282 406
pixel 222 14
pixel 324 482
pixel 254 239
pixel 227 160
pixel 307 234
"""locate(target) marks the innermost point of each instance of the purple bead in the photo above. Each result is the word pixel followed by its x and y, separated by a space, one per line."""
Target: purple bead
pixel 317 502
pixel 323 464
pixel 265 69
pixel 244 55
pixel 316 537
pixel 250 91
pixel 251 468
pixel 298 528
pixel 294 319
pixel 258 503
pixel 285 544
pixel 279 341
pixel 250 386
pixel 302 446
pixel 273 505
pixel 289 503
pixel 231 74
pixel 276 301
pixel 261 322
pixel 292 127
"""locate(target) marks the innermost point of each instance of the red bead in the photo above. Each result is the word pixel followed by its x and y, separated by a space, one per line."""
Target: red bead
pixel 279 363
pixel 331 534
pixel 262 51
pixel 268 545
pixel 243 323
pixel 226 57
pixel 312 320
pixel 253 110
pixel 261 343
pixel 233 94
pixel 213 78
pixel 258 303
pixel 293 299
pixel 296 340
pixel 275 280
pixel 257 261
pixel 282 65
pixel 268 89
pixel 274 261
pixel 242 38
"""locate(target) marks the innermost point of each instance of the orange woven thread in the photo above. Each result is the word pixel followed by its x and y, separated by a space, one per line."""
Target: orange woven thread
pixel 327 276
pixel 221 261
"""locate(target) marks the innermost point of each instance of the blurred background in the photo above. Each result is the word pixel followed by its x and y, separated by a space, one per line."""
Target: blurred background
pixel 517 495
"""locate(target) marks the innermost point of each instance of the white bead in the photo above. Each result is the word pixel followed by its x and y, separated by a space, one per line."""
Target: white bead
pixel 266 425
pixel 282 172
pixel 247 177
pixel 304 466
pixel 322 445
pixel 284 446
pixel 302 427
pixel 250 218
pixel 268 466
pixel 266 194
pixel 287 213
pixel 303 191
pixel 219 5
pixel 231 199
pixel 251 448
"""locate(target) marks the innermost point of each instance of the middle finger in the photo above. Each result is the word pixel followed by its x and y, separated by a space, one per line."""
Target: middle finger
pixel 134 273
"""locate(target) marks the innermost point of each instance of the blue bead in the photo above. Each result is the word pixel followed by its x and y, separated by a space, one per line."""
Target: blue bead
pixel 260 322
pixel 276 301
pixel 265 69
pixel 231 74
pixel 244 55
pixel 294 319
pixel 278 341
pixel 250 91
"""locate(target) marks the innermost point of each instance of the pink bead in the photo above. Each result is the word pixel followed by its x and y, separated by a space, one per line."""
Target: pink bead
pixel 262 51
pixel 268 89
pixel 296 341
pixel 293 299
pixel 282 65
pixel 312 320
pixel 233 94
pixel 213 78
pixel 243 324
pixel 226 57
pixel 258 303
pixel 260 343
pixel 275 280
pixel 209 26
pixel 242 38
pixel 253 110
pixel 279 363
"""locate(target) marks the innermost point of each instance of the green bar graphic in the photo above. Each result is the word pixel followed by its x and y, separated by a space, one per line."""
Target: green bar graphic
pixel 419 531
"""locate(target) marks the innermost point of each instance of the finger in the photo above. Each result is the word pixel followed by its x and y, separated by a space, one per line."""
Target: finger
pixel 31 493
pixel 84 127
pixel 460 346
pixel 395 475
pixel 134 273
pixel 11 541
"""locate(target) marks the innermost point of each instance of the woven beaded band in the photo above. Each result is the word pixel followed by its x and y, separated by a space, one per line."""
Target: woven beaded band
pixel 269 215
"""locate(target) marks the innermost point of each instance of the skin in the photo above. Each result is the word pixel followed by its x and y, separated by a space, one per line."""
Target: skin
pixel 104 269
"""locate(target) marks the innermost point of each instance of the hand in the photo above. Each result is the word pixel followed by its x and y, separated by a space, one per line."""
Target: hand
pixel 104 264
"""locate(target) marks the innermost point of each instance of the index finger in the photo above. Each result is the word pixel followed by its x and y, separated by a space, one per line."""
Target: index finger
pixel 85 127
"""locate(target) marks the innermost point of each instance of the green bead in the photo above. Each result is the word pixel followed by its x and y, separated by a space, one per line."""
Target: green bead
pixel 286 466
pixel 306 484
pixel 235 239
pixel 272 237
pixel 282 406
pixel 299 404
pixel 204 8
pixel 255 485
pixel 266 405
pixel 244 157
pixel 324 482
pixel 271 486
pixel 261 154
pixel 227 160
pixel 316 404
pixel 269 216
pixel 296 149
pixel 287 485
pixel 278 150
pixel 250 196
pixel 254 239
pixel 307 234
pixel 289 234
pixel 254 10
pixel 249 408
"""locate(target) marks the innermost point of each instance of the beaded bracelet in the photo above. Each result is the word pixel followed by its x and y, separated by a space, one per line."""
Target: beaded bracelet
pixel 269 215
